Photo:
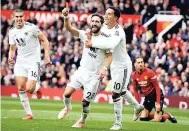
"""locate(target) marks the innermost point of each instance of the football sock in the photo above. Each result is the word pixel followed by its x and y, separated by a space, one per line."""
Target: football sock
pixel 165 117
pixel 118 110
pixel 25 102
pixel 67 102
pixel 85 113
pixel 130 99
pixel 151 116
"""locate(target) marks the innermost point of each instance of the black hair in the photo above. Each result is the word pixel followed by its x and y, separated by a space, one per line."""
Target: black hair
pixel 117 12
pixel 98 15
pixel 137 57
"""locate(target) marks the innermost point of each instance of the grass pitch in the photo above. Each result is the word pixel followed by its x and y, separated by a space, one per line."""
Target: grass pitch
pixel 101 117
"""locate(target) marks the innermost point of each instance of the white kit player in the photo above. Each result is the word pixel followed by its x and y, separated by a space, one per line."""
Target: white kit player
pixel 93 67
pixel 121 67
pixel 26 37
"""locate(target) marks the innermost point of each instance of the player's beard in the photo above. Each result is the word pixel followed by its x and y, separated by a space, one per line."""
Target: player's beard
pixel 95 29
pixel 140 69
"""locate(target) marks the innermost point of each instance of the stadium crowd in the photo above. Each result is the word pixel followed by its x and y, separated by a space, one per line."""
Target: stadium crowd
pixel 169 58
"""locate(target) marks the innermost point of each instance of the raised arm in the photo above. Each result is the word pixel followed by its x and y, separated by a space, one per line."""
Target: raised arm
pixel 67 23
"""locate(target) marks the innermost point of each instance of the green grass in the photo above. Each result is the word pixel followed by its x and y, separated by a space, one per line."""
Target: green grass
pixel 101 117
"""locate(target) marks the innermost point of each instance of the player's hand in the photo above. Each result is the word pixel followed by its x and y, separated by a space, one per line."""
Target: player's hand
pixel 88 33
pixel 65 11
pixel 48 63
pixel 11 61
pixel 157 107
pixel 102 73
pixel 88 44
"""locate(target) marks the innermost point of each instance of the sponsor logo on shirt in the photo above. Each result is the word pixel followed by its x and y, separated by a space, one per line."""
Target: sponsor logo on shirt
pixel 93 52
pixel 143 83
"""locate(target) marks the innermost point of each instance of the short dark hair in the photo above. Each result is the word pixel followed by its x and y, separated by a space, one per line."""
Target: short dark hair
pixel 98 15
pixel 18 10
pixel 117 12
pixel 137 57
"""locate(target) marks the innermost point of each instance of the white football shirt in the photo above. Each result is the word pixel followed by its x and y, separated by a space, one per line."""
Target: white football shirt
pixel 92 58
pixel 117 42
pixel 27 43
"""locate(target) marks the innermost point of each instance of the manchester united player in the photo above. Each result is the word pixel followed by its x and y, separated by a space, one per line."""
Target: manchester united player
pixel 146 79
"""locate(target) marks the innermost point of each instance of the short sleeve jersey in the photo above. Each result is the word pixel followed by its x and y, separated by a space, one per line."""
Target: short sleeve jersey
pixel 27 43
pixel 120 55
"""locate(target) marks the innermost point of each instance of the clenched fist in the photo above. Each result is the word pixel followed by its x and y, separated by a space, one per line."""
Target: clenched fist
pixel 65 11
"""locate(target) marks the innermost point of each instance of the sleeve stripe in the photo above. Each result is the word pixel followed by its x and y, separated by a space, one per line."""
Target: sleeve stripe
pixel 154 77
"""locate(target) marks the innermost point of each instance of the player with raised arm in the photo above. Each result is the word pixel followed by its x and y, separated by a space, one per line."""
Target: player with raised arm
pixel 146 79
pixel 92 67
pixel 26 37
pixel 121 67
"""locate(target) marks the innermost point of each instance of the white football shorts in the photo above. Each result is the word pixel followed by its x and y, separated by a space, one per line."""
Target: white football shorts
pixel 121 78
pixel 86 80
pixel 32 72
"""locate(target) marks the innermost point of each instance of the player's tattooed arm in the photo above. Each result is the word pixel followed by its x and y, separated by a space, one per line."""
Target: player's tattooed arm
pixel 67 23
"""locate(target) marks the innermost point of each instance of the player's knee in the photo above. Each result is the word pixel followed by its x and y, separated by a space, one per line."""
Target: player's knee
pixel 30 90
pixel 21 88
pixel 85 103
pixel 158 117
pixel 144 119
pixel 115 97
pixel 30 87
pixel 67 95
pixel 68 92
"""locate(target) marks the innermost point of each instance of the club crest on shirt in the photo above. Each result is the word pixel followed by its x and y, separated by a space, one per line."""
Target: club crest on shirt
pixel 117 26
pixel 145 77
pixel 117 33
pixel 26 33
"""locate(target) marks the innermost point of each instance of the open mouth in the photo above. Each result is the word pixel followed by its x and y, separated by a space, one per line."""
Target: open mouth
pixel 94 27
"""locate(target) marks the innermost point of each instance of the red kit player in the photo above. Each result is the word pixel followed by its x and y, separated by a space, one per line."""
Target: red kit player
pixel 146 80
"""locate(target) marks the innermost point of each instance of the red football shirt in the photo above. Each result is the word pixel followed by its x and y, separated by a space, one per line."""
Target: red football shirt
pixel 147 80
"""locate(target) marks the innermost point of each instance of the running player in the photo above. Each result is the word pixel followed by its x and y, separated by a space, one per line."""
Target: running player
pixel 91 70
pixel 146 79
pixel 26 38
